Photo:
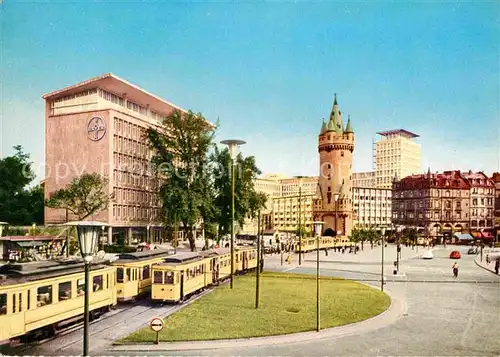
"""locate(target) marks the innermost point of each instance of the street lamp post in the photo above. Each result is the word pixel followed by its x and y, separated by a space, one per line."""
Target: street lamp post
pixel 88 238
pixel 317 231
pixel 233 152
pixel 258 264
pixel 300 221
pixel 382 268
pixel 398 248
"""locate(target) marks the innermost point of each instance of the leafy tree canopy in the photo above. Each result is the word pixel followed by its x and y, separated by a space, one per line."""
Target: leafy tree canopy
pixel 86 195
pixel 247 202
pixel 19 204
pixel 181 152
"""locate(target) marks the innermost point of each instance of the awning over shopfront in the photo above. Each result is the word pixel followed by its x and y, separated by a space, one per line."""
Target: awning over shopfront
pixel 463 236
pixel 487 235
pixel 477 235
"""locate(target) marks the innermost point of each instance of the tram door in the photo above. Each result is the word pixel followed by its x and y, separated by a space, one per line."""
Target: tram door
pixel 182 284
pixel 214 271
pixel 244 260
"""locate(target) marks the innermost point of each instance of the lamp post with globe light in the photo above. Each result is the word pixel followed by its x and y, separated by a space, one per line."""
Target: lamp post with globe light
pixel 317 231
pixel 232 146
pixel 88 238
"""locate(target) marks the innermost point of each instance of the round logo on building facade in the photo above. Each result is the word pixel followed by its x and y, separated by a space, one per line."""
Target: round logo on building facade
pixel 96 129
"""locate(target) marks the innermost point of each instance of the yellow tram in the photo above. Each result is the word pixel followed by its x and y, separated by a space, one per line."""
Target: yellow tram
pixel 38 298
pixel 133 272
pixel 246 258
pixel 187 273
pixel 179 276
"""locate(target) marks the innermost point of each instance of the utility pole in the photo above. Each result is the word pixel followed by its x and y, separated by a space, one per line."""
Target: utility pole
pixel 300 223
pixel 258 264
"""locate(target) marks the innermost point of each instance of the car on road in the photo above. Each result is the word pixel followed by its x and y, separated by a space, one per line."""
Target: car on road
pixel 455 255
pixel 427 255
pixel 472 250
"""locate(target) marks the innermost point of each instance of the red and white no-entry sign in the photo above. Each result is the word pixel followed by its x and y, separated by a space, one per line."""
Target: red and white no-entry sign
pixel 156 324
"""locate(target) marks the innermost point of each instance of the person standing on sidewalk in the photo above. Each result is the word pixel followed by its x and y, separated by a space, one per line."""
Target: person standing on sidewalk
pixel 497 266
pixel 455 270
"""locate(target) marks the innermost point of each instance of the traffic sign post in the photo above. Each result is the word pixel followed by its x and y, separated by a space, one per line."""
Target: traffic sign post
pixel 157 325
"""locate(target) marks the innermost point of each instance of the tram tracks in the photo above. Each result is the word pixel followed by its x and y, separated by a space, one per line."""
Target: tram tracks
pixel 103 331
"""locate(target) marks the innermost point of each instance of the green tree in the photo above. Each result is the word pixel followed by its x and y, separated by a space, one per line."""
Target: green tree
pixel 356 236
pixel 247 202
pixel 181 154
pixel 371 236
pixel 85 196
pixel 19 204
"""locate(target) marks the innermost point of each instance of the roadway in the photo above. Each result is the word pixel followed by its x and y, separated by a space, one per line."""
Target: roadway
pixel 443 315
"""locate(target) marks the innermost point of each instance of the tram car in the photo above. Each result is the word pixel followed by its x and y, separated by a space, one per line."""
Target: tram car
pixel 133 272
pixel 185 274
pixel 246 258
pixel 38 298
pixel 179 276
pixel 311 243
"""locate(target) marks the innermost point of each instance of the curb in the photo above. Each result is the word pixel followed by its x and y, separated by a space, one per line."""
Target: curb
pixel 481 266
pixel 395 311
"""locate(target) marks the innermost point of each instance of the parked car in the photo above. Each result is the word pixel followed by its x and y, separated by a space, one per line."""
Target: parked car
pixel 455 255
pixel 472 250
pixel 427 255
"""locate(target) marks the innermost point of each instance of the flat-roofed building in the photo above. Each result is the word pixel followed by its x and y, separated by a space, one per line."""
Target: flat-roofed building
pixel 396 153
pixel 99 126
pixel 372 207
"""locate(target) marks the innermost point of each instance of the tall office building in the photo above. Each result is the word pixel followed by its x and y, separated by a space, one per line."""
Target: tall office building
pixel 396 154
pixel 99 126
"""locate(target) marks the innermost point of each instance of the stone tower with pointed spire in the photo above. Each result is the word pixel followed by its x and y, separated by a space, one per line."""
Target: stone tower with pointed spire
pixel 335 147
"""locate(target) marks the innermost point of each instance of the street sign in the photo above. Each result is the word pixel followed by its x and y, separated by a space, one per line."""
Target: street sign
pixel 156 324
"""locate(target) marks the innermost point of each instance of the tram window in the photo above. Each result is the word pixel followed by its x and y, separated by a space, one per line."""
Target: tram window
pixel 158 277
pixel 169 277
pixel 14 303
pixel 20 302
pixel 29 299
pixel 80 287
pixel 107 281
pixel 127 277
pixel 3 304
pixel 44 295
pixel 65 291
pixel 97 283
pixel 146 274
pixel 119 275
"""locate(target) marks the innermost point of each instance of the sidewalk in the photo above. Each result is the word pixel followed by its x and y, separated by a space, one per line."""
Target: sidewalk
pixel 482 264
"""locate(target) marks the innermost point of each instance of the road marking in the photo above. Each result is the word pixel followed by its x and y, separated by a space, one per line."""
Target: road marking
pixel 288 269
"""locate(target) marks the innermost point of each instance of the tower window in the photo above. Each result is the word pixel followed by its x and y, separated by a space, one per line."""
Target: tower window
pixel 342 154
pixel 329 188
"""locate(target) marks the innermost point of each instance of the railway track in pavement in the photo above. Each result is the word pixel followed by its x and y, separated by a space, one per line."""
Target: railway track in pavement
pixel 104 330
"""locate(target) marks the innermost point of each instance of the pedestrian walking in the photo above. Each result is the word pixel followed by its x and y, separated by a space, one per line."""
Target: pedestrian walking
pixel 455 270
pixel 497 266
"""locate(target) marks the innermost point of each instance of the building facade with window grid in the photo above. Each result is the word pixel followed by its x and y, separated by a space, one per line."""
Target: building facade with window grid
pixel 441 204
pixel 371 205
pixel 396 154
pixel 112 145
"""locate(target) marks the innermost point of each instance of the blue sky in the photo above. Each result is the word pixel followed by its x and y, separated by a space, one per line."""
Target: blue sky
pixel 269 71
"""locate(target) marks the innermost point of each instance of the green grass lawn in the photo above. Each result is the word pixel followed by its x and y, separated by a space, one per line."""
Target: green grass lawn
pixel 287 305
